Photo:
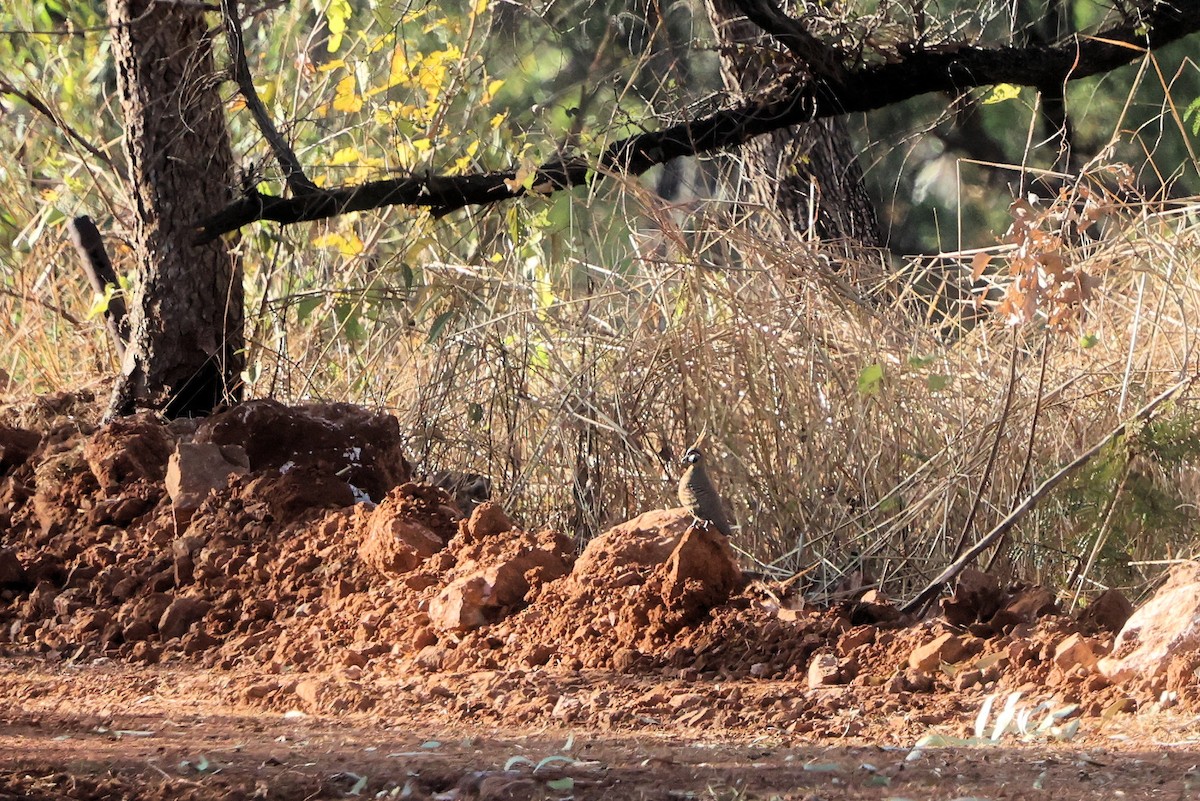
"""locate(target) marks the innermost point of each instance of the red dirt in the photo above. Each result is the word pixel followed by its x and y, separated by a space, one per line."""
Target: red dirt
pixel 289 636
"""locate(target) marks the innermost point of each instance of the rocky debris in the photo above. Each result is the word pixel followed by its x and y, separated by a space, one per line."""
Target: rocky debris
pixel 16 446
pixel 1160 634
pixel 945 649
pixel 1107 612
pixel 196 469
pixel 363 448
pixel 498 569
pixel 327 600
pixel 1076 650
pixel 129 449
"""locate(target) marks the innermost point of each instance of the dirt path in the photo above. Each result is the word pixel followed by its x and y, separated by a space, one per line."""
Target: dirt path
pixel 137 732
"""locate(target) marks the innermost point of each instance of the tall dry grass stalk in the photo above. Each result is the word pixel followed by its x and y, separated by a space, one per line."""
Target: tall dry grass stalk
pixel 854 427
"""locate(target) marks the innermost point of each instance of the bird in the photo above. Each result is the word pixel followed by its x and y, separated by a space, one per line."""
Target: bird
pixel 697 493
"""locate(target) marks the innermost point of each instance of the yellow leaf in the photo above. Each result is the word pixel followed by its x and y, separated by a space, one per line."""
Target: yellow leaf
pixel 347 155
pixel 349 245
pixel 345 97
pixel 492 88
pixel 480 7
pixel 1001 92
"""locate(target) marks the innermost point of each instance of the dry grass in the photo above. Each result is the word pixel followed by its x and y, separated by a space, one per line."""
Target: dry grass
pixel 851 436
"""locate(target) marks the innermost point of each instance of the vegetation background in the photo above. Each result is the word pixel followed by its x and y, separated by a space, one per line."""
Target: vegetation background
pixel 862 426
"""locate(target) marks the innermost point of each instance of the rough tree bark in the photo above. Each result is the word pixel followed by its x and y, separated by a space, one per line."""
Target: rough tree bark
pixel 805 176
pixel 185 352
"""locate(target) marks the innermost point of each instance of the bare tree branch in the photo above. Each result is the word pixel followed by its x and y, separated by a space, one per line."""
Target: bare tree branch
pixel 945 68
pixel 293 173
pixel 823 60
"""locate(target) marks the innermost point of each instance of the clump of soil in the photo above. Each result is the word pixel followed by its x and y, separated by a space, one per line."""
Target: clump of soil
pixel 293 540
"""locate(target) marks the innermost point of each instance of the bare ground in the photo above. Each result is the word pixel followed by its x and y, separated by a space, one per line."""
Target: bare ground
pixel 278 637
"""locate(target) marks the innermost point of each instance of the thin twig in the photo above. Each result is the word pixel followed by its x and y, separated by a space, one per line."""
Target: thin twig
pixel 1028 464
pixel 991 461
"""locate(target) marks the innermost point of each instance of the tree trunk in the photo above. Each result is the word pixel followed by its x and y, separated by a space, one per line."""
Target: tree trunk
pixel 185 354
pixel 806 178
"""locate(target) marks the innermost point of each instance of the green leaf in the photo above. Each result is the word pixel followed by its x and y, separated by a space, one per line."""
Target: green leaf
pixel 937 382
pixel 305 307
pixel 474 413
pixel 870 379
pixel 562 785
pixel 1089 341
pixel 921 361
pixel 439 324
pixel 1193 112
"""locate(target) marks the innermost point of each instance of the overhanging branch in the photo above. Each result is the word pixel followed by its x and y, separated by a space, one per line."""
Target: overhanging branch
pixel 946 68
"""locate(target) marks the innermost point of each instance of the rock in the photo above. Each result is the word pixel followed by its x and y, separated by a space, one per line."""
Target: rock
pixel 12 572
pixel 488 520
pixel 701 572
pixel 1076 650
pixel 196 469
pixel 1108 612
pixel 309 691
pixel 499 576
pixel 129 449
pixel 179 616
pixel 634 547
pixel 1166 626
pixel 146 610
pixel 339 439
pixel 16 446
pixel 977 596
pixel 947 648
pixel 461 605
pixel 856 637
pixel 395 545
pixel 823 670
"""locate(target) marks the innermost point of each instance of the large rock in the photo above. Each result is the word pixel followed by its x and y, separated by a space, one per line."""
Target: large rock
pixel 361 447
pixel 701 571
pixel 195 469
pixel 1166 626
pixel 628 551
pixel 396 539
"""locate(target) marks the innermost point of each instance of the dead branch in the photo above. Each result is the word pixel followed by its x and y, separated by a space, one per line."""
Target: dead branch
pixel 85 236
pixel 293 173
